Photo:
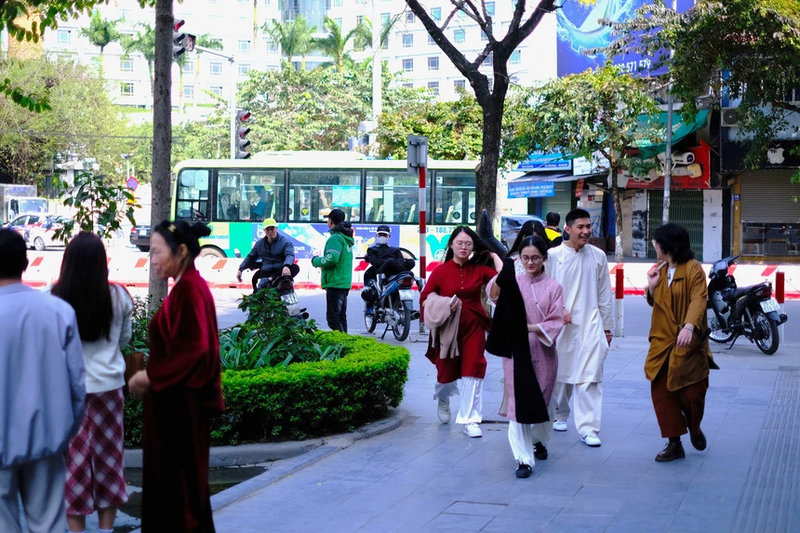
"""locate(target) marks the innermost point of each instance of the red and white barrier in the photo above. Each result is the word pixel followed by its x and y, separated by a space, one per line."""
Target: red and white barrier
pixel 133 270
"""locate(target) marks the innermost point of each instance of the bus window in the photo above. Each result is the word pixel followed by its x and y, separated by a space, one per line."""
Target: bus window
pixel 455 197
pixel 313 193
pixel 192 197
pixel 249 195
pixel 392 196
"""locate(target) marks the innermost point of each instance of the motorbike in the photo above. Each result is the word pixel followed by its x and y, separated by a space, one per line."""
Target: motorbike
pixel 742 311
pixel 284 285
pixel 390 301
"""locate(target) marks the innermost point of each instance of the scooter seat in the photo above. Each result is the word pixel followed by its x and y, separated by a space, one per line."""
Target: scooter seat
pixel 742 291
pixel 396 277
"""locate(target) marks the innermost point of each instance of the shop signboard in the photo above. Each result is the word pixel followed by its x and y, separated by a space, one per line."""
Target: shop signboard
pixel 531 189
pixel 578 29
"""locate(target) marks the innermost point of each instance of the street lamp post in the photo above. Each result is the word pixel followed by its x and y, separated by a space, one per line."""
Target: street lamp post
pixel 232 99
pixel 127 158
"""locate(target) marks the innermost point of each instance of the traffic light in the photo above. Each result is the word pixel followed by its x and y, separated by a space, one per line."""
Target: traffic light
pixel 181 42
pixel 241 134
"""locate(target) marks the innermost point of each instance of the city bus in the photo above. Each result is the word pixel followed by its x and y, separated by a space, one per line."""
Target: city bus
pixel 298 188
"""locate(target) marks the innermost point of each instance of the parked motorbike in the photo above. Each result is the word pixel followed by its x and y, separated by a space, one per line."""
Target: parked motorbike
pixel 390 301
pixel 742 311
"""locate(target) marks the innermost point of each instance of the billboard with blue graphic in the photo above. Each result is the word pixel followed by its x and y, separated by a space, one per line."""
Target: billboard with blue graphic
pixel 579 30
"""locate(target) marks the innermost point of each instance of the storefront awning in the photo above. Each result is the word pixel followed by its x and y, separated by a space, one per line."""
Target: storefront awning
pixel 680 130
pixel 538 186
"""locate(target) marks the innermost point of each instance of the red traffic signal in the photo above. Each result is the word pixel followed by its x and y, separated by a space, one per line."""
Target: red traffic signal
pixel 178 24
pixel 243 116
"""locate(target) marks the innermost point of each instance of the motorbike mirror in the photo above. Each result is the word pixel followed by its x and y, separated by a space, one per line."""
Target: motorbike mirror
pixel 237 253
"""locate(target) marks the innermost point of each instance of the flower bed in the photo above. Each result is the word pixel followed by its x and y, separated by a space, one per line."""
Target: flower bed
pixel 303 399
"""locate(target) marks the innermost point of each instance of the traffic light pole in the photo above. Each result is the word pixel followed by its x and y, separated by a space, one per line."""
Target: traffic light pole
pixel 232 99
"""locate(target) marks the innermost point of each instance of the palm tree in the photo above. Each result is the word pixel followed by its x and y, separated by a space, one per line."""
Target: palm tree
pixel 295 37
pixel 334 44
pixel 145 43
pixel 101 32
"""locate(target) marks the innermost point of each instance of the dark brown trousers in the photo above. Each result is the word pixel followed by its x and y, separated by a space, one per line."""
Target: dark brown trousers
pixel 677 410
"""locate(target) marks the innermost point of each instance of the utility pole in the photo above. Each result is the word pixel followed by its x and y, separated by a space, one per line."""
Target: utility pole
pixel 377 72
pixel 162 131
pixel 668 151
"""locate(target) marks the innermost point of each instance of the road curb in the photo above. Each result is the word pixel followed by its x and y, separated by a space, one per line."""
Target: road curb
pixel 248 454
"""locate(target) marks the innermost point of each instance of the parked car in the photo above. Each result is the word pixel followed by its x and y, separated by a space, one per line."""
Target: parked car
pixel 140 237
pixel 42 235
pixel 510 226
pixel 25 221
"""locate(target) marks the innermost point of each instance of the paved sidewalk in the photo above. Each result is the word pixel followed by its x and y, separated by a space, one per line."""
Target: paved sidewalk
pixel 425 476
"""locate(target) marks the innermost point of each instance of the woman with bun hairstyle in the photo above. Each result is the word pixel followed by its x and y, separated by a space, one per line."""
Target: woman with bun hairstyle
pixel 181 387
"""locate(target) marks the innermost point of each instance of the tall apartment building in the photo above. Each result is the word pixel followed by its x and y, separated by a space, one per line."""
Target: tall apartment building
pixel 203 77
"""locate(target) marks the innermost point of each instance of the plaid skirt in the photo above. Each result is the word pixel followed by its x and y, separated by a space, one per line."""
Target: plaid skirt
pixel 95 468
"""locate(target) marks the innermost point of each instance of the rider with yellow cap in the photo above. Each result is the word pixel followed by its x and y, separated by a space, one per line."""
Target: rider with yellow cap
pixel 275 252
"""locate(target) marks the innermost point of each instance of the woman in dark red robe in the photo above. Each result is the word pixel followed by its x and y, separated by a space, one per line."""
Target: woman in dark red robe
pixel 463 274
pixel 181 388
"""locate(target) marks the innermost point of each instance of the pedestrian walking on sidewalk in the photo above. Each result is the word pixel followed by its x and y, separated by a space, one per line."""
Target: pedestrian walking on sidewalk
pixel 95 465
pixel 679 357
pixel 527 320
pixel 336 263
pixel 462 274
pixel 181 388
pixel 41 405
pixel 589 320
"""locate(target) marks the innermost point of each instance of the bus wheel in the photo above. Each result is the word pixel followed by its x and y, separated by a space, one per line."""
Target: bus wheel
pixel 212 251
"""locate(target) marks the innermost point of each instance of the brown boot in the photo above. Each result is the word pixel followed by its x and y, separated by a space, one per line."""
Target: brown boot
pixel 672 451
pixel 699 440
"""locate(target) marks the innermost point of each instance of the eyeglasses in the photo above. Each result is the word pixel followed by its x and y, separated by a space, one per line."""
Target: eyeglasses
pixel 530 259
pixel 463 244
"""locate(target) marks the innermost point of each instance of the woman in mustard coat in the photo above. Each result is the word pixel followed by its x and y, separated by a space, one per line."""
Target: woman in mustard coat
pixel 679 358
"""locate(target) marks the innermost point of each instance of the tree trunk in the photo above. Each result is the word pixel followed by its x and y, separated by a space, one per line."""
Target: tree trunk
pixel 486 178
pixel 619 256
pixel 162 131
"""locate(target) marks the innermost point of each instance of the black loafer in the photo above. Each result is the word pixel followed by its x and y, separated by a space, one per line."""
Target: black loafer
pixel 672 451
pixel 524 471
pixel 539 451
pixel 699 440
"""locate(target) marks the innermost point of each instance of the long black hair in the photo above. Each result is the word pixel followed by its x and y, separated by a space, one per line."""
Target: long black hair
pixel 479 249
pixel 181 232
pixel 83 283
pixel 674 241
pixel 529 228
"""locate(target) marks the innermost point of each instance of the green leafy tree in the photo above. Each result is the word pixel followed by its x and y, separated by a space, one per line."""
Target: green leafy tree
pixel 592 113
pixel 101 32
pixel 454 129
pixel 31 144
pixel 295 37
pixel 335 43
pixel 740 49
pixel 491 97
pixel 99 207
pixel 144 42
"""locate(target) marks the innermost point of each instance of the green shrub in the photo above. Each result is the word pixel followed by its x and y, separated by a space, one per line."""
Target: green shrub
pixel 270 337
pixel 306 399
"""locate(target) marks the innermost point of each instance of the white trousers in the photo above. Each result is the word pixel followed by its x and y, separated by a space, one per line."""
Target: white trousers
pixel 588 404
pixel 470 408
pixel 522 437
pixel 40 486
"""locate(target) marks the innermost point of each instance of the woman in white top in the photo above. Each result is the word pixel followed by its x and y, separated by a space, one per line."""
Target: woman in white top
pixel 95 474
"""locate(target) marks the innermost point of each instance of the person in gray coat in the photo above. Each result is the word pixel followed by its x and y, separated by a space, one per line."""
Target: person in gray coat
pixel 42 395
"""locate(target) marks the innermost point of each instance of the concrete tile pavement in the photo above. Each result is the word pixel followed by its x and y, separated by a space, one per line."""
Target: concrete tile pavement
pixel 425 476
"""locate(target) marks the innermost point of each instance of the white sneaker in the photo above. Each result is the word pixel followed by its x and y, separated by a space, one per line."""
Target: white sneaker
pixel 560 425
pixel 590 439
pixel 473 430
pixel 444 411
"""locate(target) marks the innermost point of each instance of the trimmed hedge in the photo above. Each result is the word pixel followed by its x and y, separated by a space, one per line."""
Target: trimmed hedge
pixel 303 399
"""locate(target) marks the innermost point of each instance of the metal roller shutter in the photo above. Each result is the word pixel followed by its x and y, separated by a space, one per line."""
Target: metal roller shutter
pixel 562 202
pixel 768 196
pixel 685 208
